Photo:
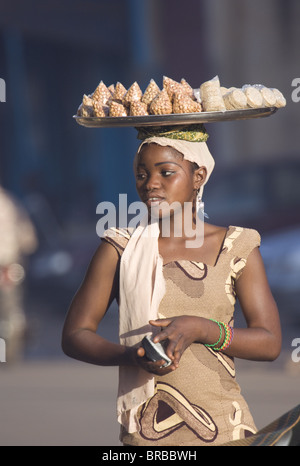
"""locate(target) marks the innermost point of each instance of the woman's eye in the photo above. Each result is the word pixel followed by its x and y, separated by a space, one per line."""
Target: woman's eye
pixel 164 173
pixel 140 176
pixel 167 172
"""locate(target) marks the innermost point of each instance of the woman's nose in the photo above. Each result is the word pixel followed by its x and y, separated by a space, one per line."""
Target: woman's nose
pixel 152 182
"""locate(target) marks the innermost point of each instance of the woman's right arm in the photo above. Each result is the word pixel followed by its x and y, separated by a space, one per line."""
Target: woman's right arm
pixel 99 288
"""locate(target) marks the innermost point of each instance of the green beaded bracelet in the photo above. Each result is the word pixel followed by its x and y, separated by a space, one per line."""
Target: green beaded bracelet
pixel 220 337
pixel 226 337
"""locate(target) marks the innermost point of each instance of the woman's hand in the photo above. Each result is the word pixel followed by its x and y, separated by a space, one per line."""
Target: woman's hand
pixel 154 367
pixel 180 332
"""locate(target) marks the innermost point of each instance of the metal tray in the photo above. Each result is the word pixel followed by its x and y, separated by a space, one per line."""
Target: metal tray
pixel 174 119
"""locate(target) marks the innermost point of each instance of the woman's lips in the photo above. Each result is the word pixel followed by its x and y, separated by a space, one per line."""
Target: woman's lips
pixel 154 200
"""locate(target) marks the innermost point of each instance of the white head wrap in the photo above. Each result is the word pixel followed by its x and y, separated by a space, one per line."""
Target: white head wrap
pixel 142 288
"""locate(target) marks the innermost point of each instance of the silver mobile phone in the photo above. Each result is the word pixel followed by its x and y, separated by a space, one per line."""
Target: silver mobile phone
pixel 155 351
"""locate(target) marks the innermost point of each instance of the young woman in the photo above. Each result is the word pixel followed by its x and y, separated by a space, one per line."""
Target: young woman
pixel 182 293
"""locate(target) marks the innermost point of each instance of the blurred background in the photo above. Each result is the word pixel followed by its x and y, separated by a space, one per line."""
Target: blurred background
pixel 57 172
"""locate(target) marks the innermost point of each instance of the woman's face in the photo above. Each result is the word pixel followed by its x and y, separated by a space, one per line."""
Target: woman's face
pixel 162 175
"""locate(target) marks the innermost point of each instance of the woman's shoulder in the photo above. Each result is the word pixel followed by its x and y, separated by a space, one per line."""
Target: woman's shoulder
pixel 232 233
pixel 241 240
pixel 117 237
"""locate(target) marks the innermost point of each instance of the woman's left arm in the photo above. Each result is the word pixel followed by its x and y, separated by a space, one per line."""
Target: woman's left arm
pixel 261 340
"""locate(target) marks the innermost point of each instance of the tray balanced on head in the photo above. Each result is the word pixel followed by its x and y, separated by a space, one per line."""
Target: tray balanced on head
pixel 176 104
pixel 174 119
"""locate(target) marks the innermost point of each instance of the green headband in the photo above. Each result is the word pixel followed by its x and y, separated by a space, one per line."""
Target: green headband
pixel 192 133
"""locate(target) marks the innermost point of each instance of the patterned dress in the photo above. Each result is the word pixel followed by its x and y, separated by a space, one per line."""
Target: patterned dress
pixel 200 403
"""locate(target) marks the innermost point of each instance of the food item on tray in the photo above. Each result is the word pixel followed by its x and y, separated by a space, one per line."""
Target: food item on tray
pixel 138 109
pixel 254 97
pixel 269 98
pixel 171 86
pixel 161 104
pixel 280 99
pixel 235 99
pixel 183 103
pixel 117 109
pixel 187 88
pixel 175 98
pixel 134 94
pixel 86 107
pixel 100 110
pixel 102 93
pixel 257 96
pixel 150 93
pixel 119 92
pixel 211 96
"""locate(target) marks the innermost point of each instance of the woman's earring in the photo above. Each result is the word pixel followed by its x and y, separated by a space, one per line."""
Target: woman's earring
pixel 200 207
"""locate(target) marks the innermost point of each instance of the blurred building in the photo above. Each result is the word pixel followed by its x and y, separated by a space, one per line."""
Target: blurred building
pixel 52 52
